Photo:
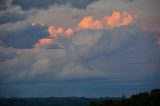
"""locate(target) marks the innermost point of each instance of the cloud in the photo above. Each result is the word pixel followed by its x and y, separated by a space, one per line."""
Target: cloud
pixel 78 71
pixel 28 4
pixel 158 40
pixel 115 20
pixel 89 23
pixel 78 40
pixel 52 31
pixel 81 4
pixel 3 4
pixel 69 32
pixel 118 19
pixel 22 34
pixel 38 23
pixel 83 45
pixel 12 18
pixel 44 42
pixel 123 54
pixel 6 53
pixel 55 32
pixel 16 62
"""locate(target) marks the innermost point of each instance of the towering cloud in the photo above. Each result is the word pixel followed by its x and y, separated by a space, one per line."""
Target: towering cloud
pixel 69 32
pixel 54 32
pixel 60 30
pixel 118 19
pixel 115 20
pixel 88 22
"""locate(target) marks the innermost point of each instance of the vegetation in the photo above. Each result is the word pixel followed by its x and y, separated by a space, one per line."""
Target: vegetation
pixel 140 99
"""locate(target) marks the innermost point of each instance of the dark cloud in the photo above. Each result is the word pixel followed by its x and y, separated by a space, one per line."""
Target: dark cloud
pixel 12 17
pixel 119 40
pixel 28 4
pixel 24 37
pixel 81 4
pixel 3 4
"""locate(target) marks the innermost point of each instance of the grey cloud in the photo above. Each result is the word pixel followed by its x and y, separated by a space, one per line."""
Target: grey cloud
pixel 28 4
pixel 111 41
pixel 117 51
pixel 25 36
pixel 17 61
pixel 92 55
pixel 81 4
pixel 3 4
pixel 12 17
pixel 5 56
pixel 114 59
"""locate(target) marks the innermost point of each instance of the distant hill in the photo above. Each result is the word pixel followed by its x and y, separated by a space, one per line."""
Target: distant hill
pixel 141 99
pixel 49 101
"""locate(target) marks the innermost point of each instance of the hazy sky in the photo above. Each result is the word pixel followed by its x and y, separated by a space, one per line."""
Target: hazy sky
pixel 88 48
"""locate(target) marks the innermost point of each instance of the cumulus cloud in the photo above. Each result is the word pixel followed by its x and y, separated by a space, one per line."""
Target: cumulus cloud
pixel 118 19
pixel 69 32
pixel 82 46
pixel 77 40
pixel 115 20
pixel 92 57
pixel 89 23
pixel 54 32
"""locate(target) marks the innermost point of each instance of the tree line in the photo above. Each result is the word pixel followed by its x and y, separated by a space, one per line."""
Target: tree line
pixel 141 99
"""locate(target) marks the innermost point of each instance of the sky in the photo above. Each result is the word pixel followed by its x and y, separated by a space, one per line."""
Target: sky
pixel 90 48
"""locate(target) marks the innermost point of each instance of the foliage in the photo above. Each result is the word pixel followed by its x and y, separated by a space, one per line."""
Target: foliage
pixel 140 99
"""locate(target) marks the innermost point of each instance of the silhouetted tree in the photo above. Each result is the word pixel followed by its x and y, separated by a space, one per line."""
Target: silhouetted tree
pixel 93 103
pixel 155 97
pixel 140 99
